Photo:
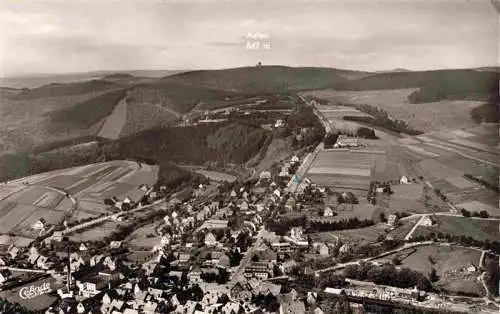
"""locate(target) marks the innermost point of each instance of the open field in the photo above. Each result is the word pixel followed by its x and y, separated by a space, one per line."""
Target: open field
pixel 338 112
pixel 436 170
pixel 341 171
pixel 90 185
pixel 478 229
pixel 141 238
pixel 364 210
pixel 346 168
pixel 364 235
pixel 426 116
pixel 408 191
pixel 96 233
pixel 114 123
pixel 450 264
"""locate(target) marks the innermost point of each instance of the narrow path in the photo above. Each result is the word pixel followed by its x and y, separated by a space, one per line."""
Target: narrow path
pixel 481 259
pixel 408 236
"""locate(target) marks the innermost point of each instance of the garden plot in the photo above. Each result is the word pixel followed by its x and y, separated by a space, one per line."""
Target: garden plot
pixel 407 191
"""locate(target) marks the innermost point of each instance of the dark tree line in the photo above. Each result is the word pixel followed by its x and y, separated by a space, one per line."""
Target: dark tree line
pixel 389 275
pixel 351 223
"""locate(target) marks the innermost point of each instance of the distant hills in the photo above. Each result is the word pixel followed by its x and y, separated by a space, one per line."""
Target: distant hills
pixel 36 80
pixel 93 96
pixel 265 79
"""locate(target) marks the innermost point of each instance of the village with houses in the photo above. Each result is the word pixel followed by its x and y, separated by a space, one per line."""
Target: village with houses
pixel 341 227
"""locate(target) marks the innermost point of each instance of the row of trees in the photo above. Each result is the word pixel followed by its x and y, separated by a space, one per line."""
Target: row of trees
pixel 492 186
pixel 351 223
pixel 481 214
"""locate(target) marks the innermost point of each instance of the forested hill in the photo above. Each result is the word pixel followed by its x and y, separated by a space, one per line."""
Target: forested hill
pixel 265 79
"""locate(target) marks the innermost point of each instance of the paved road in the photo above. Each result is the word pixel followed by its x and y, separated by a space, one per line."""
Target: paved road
pixel 299 175
pixel 238 274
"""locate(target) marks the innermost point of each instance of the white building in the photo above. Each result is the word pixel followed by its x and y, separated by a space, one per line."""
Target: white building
pixel 210 239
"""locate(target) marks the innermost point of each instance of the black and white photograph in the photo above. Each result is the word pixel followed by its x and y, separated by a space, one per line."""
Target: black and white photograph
pixel 249 156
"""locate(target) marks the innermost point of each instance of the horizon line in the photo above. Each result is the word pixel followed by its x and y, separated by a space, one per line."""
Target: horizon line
pixel 42 74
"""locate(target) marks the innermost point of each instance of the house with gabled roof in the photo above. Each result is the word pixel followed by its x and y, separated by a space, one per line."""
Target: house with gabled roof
pixel 210 239
pixel 40 224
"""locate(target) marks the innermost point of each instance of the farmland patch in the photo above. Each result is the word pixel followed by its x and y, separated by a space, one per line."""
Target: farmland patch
pixel 52 217
pixel 478 229
pixel 460 182
pixel 407 191
pixel 15 216
pixel 340 171
pixel 436 170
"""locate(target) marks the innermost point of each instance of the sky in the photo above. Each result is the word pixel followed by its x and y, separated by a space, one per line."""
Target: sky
pixel 49 36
